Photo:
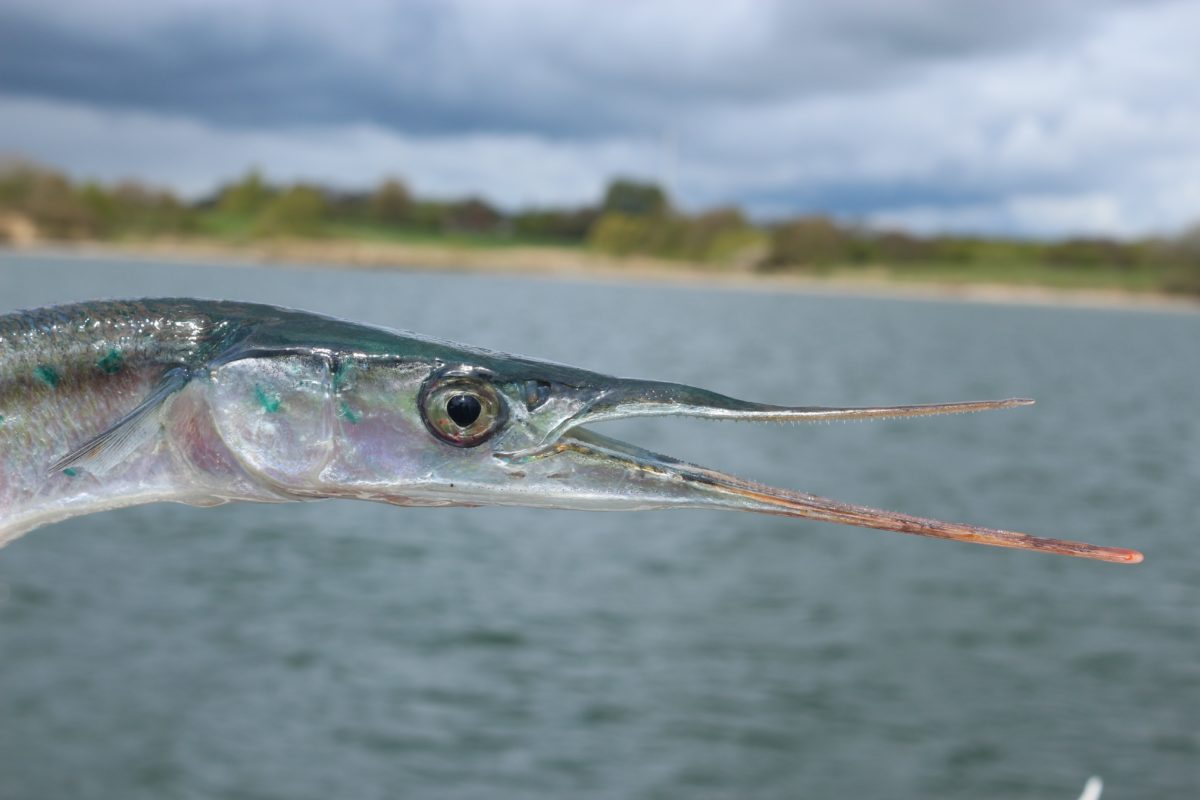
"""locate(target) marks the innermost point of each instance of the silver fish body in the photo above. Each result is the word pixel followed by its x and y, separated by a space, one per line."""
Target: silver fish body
pixel 68 373
pixel 112 404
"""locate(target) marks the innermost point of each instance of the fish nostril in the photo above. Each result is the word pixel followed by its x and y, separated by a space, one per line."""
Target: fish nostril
pixel 536 393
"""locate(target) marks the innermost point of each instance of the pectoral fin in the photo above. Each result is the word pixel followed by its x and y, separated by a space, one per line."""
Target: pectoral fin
pixel 109 448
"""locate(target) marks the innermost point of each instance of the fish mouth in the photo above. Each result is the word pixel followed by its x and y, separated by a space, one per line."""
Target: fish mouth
pixel 599 472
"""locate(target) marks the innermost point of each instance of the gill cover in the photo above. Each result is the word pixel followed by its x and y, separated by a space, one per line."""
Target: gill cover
pixel 276 416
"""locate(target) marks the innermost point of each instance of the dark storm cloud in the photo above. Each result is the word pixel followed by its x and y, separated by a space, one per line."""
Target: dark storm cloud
pixel 194 66
pixel 560 70
pixel 852 196
pixel 856 198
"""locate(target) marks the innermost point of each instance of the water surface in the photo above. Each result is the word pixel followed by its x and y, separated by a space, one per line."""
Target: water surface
pixel 359 651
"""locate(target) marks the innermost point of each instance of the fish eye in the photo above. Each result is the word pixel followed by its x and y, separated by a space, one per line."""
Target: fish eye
pixel 462 410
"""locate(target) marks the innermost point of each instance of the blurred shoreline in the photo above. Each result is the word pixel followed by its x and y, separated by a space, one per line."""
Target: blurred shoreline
pixel 575 264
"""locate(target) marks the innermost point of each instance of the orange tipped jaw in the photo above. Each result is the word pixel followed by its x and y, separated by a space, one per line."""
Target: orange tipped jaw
pixel 620 475
pixel 804 505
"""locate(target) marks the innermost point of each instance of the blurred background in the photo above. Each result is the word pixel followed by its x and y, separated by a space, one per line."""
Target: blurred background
pixel 617 186
pixel 1048 143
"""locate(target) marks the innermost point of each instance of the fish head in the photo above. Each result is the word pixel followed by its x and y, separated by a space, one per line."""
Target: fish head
pixel 452 425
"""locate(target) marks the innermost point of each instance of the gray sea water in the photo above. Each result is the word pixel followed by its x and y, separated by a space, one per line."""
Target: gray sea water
pixel 349 650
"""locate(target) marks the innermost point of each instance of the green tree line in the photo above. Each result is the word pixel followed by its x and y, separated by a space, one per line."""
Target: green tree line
pixel 632 218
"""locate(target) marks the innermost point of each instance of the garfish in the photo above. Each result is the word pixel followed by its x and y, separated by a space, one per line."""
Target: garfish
pixel 119 403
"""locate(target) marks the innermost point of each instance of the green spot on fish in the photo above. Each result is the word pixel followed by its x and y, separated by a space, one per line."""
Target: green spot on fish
pixel 268 400
pixel 112 362
pixel 47 375
pixel 347 413
pixel 341 374
pixel 70 472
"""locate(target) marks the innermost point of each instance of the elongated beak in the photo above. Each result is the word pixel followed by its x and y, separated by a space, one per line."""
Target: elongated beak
pixel 606 473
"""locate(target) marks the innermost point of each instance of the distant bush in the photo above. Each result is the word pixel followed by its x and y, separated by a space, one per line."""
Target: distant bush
pixel 897 247
pixel 62 210
pixel 428 216
pixel 1181 260
pixel 954 250
pixel 720 236
pixel 298 211
pixel 342 206
pixel 551 224
pixel 133 208
pixel 391 203
pixel 621 234
pixel 472 215
pixel 49 200
pixel 248 197
pixel 1092 253
pixel 807 243
pixel 635 199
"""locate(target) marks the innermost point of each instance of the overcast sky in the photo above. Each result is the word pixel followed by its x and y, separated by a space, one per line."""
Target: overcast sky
pixel 1038 118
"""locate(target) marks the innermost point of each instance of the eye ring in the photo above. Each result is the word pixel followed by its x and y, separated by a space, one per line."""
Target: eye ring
pixel 461 408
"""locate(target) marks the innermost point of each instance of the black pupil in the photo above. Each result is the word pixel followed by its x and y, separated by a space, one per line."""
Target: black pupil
pixel 463 409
